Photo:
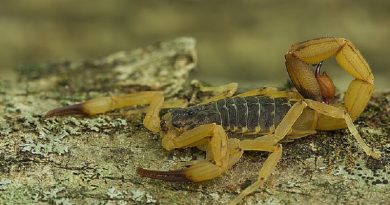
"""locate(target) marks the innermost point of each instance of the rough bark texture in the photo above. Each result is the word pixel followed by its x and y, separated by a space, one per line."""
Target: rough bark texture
pixel 78 160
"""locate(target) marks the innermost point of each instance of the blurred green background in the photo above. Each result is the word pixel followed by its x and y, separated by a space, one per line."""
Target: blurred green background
pixel 242 41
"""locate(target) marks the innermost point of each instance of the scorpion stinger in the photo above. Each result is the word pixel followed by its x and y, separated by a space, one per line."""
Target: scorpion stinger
pixel 305 53
pixel 326 84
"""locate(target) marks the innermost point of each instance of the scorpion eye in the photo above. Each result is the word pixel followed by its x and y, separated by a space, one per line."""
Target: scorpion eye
pixel 191 112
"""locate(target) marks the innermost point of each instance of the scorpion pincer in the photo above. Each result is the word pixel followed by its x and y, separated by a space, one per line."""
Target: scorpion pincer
pixel 271 114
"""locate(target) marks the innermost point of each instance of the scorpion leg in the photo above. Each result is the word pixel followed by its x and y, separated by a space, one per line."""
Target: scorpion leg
pixel 217 148
pixel 266 170
pixel 224 91
pixel 335 112
pixel 100 105
pixel 270 143
pixel 168 104
pixel 222 153
pixel 271 92
pixel 324 109
pixel 228 90
pixel 285 126
pixel 265 143
pixel 175 103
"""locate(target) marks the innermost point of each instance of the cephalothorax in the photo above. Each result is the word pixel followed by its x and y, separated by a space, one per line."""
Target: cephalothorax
pixel 269 113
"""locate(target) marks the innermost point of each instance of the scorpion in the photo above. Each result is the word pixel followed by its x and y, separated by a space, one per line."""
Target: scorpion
pixel 270 114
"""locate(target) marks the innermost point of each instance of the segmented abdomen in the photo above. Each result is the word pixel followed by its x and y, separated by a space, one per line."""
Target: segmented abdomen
pixel 254 114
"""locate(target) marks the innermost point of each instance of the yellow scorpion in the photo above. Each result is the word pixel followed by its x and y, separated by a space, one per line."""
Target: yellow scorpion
pixel 271 114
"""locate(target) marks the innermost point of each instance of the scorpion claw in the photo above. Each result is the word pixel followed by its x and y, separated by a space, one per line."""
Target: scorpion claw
pixel 316 86
pixel 199 171
pixel 303 78
pixel 172 176
pixel 76 109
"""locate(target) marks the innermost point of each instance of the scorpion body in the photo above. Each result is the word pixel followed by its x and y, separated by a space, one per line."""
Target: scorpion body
pixel 270 114
pixel 246 115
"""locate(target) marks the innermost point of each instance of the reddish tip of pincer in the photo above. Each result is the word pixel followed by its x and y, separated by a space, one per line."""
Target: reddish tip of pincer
pixel 172 176
pixel 76 109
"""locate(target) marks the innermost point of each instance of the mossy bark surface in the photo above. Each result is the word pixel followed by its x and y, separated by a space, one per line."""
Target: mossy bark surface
pixel 92 160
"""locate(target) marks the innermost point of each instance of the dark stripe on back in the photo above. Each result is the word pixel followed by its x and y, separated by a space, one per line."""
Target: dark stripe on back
pixel 232 109
pixel 282 106
pixel 253 114
pixel 267 108
pixel 242 109
pixel 224 113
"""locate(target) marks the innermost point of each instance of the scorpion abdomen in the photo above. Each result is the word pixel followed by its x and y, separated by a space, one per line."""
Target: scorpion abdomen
pixel 254 114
